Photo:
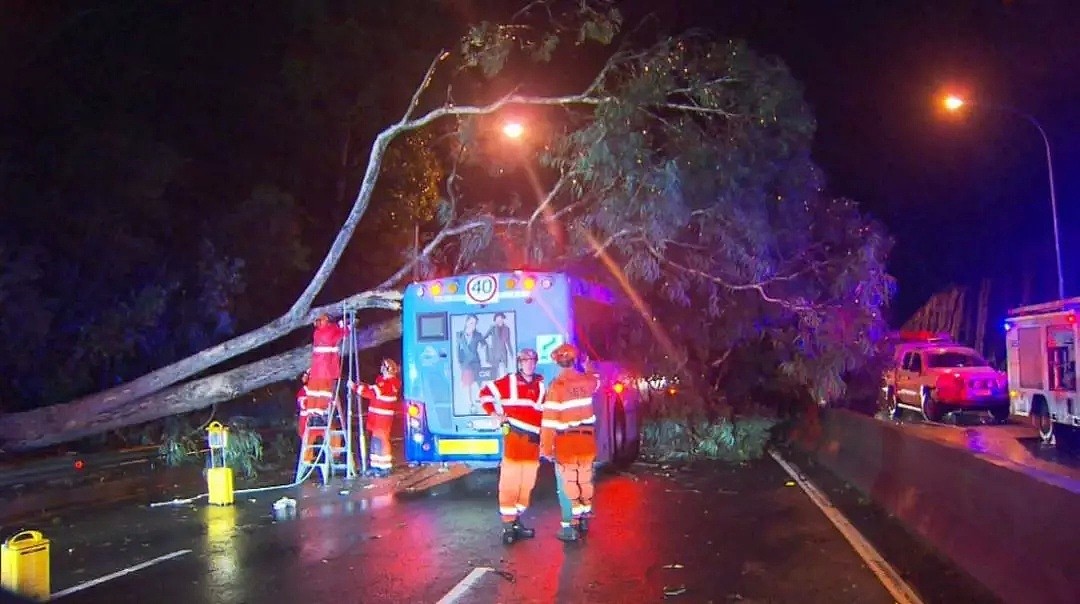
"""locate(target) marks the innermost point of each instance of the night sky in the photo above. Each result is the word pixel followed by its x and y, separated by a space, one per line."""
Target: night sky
pixel 964 198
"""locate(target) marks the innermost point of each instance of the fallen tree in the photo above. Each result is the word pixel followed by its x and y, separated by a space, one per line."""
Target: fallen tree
pixel 684 170
pixel 61 423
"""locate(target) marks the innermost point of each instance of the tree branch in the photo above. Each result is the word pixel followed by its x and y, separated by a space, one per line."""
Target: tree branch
pixel 599 249
pixel 757 287
pixel 441 236
pixel 441 56
pixel 547 199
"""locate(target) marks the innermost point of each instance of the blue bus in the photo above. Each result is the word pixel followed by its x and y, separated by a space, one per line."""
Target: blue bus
pixel 463 331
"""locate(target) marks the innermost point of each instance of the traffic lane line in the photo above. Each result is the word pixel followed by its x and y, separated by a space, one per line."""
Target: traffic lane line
pixel 120 573
pixel 736 529
pixel 463 586
pixel 890 579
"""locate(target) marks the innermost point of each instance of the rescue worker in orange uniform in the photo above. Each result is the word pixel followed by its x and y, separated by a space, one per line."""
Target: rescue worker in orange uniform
pixel 515 400
pixel 301 405
pixel 568 436
pixel 384 395
pixel 323 375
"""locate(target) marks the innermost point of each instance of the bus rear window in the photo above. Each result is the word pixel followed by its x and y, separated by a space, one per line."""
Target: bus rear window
pixel 431 326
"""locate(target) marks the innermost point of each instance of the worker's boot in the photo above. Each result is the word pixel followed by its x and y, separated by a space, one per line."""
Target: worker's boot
pixel 583 525
pixel 567 534
pixel 523 532
pixel 509 534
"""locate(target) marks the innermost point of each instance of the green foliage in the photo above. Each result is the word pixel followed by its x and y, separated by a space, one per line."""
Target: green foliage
pixel 244 449
pixel 183 442
pixel 536 32
pixel 728 440
pixel 690 168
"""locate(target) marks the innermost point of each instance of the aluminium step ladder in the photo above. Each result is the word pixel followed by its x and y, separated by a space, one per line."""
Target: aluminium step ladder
pixel 342 425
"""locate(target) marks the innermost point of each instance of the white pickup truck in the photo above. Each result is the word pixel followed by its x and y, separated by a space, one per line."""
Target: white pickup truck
pixel 936 376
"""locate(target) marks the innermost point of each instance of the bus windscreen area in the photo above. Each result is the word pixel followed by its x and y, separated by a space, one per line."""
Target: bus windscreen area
pixel 484 349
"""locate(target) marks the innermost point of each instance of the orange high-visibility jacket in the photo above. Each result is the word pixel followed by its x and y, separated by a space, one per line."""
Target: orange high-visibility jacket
pixel 384 395
pixel 325 357
pixel 568 421
pixel 519 401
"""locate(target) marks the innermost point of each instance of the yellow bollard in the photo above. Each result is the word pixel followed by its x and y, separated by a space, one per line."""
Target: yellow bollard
pixel 219 478
pixel 24 565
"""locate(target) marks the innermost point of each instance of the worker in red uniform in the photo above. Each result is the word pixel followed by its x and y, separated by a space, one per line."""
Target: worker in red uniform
pixel 323 375
pixel 384 395
pixel 567 435
pixel 301 405
pixel 515 400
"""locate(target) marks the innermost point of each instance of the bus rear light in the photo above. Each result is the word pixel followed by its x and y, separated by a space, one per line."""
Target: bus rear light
pixel 452 288
pixel 618 387
pixel 414 410
pixel 511 283
pixel 436 289
pixel 529 283
pixel 418 438
pixel 420 291
pixel 546 283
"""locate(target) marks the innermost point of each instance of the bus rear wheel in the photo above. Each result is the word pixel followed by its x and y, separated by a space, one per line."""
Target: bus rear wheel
pixel 625 446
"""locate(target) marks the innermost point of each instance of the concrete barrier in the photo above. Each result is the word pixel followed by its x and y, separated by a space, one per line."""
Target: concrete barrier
pixel 1015 533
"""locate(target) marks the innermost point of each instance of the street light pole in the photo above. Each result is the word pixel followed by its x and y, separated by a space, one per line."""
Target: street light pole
pixel 1053 196
pixel 954 103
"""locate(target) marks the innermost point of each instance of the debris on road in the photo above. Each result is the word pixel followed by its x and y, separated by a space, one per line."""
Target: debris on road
pixel 676 590
pixel 284 503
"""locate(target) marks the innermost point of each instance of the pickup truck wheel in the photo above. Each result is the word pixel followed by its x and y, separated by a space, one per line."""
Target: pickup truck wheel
pixel 930 409
pixel 892 405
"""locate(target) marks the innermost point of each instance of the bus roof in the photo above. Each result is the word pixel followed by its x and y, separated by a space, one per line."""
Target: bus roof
pixel 519 278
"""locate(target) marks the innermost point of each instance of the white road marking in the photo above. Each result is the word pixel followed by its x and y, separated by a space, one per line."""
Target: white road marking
pixel 464 585
pixel 900 590
pixel 119 573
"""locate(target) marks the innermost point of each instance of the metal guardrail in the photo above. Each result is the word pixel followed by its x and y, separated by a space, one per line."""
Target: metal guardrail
pixel 72 465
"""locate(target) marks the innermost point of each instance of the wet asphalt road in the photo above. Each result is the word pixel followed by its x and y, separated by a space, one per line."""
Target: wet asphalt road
pixel 739 533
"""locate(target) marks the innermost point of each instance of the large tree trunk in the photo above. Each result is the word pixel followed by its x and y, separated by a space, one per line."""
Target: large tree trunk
pixel 114 401
pixel 71 421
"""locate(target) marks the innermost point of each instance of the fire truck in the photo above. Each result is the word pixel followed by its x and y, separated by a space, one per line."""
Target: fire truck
pixel 1040 350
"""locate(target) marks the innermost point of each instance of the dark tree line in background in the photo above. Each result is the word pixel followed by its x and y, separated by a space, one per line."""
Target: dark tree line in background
pixel 169 173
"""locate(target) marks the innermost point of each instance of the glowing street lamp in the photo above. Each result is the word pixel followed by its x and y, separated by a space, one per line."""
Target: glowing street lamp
pixel 955 103
pixel 513 130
